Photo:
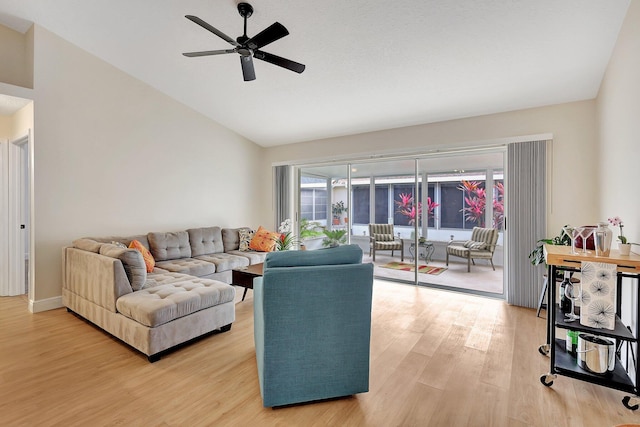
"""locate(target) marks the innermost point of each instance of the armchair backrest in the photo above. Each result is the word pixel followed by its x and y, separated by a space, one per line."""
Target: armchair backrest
pixel 486 235
pixel 312 324
pixel 381 232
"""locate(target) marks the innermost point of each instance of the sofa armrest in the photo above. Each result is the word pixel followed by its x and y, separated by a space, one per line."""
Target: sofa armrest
pixel 96 278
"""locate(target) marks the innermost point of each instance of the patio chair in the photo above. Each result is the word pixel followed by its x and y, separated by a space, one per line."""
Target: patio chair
pixel 381 238
pixel 481 246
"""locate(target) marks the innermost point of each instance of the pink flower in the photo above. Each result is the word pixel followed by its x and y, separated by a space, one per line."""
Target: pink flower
pixel 617 222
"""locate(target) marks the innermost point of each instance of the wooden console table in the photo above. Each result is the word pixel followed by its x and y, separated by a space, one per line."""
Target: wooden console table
pixel 561 362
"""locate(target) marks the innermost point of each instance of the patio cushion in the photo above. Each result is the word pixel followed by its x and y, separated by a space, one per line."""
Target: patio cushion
pixel 383 237
pixel 472 244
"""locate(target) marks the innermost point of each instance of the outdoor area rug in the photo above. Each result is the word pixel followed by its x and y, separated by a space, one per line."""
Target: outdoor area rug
pixel 427 269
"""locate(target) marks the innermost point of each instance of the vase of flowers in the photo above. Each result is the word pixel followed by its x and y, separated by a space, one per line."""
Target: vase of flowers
pixel 287 240
pixel 623 245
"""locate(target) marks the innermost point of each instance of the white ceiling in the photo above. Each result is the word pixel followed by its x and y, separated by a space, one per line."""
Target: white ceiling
pixel 371 64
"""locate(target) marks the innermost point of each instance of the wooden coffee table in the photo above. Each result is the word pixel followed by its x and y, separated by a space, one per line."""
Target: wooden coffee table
pixel 243 276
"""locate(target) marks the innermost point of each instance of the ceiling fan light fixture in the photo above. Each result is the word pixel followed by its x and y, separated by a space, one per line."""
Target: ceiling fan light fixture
pixel 248 47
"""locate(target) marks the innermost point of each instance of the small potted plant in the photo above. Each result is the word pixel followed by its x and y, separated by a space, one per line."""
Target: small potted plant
pixel 537 254
pixel 623 246
pixel 337 209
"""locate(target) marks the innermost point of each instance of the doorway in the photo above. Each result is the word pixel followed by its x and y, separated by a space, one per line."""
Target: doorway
pixel 16 196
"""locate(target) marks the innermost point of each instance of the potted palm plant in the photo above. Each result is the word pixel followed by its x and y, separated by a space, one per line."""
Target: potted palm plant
pixel 311 234
pixel 334 238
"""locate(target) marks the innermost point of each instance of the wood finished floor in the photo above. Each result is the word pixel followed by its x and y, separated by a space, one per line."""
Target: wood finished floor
pixel 437 359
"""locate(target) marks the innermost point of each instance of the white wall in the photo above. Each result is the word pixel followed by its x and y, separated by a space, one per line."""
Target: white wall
pixel 619 133
pixel 571 169
pixel 114 156
pixel 16 63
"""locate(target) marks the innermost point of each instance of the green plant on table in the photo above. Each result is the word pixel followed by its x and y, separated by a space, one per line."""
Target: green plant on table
pixel 537 254
pixel 286 240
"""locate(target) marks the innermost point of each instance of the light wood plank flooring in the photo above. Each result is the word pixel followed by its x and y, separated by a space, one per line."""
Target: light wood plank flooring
pixel 437 359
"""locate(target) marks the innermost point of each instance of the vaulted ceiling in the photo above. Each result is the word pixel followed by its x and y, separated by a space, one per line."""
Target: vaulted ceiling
pixel 370 64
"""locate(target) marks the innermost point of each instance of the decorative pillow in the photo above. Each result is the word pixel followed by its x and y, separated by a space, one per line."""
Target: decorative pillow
pixel 245 235
pixel 119 244
pixel 383 237
pixel 264 240
pixel 475 245
pixel 148 258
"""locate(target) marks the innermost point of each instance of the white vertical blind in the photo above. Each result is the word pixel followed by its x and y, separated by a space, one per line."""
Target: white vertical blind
pixel 525 220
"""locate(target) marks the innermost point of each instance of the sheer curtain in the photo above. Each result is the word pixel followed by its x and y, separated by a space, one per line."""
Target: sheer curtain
pixel 281 190
pixel 526 219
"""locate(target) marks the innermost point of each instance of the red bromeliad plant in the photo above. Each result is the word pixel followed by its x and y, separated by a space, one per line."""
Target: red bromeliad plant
pixel 407 208
pixel 475 202
pixel 498 205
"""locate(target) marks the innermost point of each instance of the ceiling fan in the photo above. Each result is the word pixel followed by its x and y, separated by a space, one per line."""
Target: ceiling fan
pixel 249 47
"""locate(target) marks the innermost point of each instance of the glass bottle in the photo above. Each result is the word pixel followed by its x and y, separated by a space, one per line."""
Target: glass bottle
pixel 565 303
pixel 602 239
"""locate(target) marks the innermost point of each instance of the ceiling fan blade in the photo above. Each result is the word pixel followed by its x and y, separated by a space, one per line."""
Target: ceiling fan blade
pixel 209 52
pixel 248 71
pixel 270 34
pixel 279 61
pixel 214 30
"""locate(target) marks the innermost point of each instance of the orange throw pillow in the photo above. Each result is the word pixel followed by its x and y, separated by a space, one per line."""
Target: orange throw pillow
pixel 264 240
pixel 146 255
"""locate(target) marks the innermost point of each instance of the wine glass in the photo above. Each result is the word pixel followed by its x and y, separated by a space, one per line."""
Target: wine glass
pixel 584 233
pixel 572 233
pixel 573 294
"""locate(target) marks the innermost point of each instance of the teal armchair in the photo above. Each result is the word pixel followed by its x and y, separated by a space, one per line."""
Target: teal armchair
pixel 312 329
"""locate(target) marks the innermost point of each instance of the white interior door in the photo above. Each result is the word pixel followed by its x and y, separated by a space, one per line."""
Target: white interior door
pixel 4 218
pixel 18 215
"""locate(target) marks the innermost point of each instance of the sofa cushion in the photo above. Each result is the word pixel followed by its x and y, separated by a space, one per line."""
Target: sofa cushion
pixel 88 245
pixel 164 277
pixel 245 235
pixel 161 304
pixel 224 262
pixel 205 241
pixel 146 255
pixel 190 266
pixel 132 261
pixel 171 245
pixel 231 238
pixel 264 240
pixel 126 240
pixel 254 257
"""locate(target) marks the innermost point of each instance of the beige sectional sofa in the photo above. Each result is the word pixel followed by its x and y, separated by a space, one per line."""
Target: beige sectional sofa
pixel 186 295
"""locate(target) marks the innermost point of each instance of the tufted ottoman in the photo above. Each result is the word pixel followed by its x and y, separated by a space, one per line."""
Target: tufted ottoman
pixel 164 303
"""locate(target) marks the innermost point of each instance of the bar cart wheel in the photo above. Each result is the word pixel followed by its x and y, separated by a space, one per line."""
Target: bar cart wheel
pixel 547 379
pixel 544 349
pixel 632 403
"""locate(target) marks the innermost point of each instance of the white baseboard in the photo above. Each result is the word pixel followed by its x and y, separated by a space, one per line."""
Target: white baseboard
pixel 45 304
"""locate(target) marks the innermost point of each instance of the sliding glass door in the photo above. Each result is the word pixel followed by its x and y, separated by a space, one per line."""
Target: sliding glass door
pixel 426 201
